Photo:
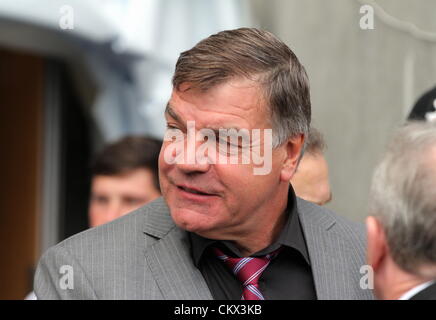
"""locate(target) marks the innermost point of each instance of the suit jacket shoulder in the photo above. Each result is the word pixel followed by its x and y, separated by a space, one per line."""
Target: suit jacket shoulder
pixel 337 249
pixel 107 262
pixel 143 255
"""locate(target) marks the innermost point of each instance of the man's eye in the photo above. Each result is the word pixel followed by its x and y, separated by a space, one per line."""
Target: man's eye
pixel 173 134
pixel 227 148
pixel 100 199
pixel 170 126
pixel 229 143
pixel 132 201
pixel 224 144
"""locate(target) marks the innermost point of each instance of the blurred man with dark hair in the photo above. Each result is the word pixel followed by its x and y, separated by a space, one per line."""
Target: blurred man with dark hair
pixel 124 177
pixel 402 226
pixel 311 179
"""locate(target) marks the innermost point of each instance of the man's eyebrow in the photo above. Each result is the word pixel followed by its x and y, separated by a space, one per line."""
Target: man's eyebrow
pixel 216 130
pixel 245 132
pixel 170 111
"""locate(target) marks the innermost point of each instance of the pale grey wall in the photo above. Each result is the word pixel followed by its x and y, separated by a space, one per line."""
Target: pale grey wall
pixel 363 83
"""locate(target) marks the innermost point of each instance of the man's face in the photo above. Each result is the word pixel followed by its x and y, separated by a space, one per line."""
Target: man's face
pixel 233 199
pixel 114 196
pixel 311 180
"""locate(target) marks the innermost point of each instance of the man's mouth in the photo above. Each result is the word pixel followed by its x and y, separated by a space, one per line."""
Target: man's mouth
pixel 194 191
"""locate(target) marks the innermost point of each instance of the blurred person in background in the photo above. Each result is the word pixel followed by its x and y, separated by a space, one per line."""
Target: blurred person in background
pixel 311 179
pixel 402 227
pixel 124 177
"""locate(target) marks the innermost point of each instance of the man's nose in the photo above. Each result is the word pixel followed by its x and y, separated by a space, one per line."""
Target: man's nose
pixel 193 165
pixel 114 210
pixel 193 160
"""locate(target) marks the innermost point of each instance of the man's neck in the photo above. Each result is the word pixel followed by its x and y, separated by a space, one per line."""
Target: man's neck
pixel 400 288
pixel 261 230
pixel 264 233
pixel 397 282
pixel 252 244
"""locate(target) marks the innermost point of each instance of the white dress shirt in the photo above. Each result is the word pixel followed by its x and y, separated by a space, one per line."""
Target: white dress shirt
pixel 415 290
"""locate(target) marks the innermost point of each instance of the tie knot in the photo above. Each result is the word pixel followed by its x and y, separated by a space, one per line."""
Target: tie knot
pixel 249 269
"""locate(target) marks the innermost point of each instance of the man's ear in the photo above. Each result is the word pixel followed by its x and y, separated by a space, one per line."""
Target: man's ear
pixel 377 246
pixel 292 153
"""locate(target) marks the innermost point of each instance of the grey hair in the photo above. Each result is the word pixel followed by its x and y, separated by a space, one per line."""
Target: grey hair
pixel 403 197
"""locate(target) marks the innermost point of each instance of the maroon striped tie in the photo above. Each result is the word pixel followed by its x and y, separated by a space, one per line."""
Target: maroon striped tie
pixel 248 270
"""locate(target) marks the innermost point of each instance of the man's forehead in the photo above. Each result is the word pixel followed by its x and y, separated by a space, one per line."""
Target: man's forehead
pixel 230 106
pixel 239 93
pixel 208 123
pixel 122 182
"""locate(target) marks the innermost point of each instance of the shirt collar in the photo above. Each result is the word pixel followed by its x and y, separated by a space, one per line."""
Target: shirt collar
pixel 291 236
pixel 415 290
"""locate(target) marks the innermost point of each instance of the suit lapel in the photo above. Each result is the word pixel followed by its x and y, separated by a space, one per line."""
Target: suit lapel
pixel 330 267
pixel 169 258
pixel 170 261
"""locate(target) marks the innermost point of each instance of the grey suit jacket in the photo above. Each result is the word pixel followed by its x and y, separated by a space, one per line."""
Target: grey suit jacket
pixel 144 255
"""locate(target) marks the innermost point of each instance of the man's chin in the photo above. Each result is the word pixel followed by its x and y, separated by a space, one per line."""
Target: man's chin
pixel 192 221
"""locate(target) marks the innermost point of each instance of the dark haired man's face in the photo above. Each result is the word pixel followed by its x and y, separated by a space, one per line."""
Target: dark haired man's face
pixel 114 196
pixel 222 201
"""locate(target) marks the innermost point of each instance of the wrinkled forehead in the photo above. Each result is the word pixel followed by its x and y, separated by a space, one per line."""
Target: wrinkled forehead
pixel 234 103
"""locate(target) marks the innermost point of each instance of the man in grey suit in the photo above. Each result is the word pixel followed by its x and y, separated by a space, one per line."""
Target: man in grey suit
pixel 402 226
pixel 229 226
